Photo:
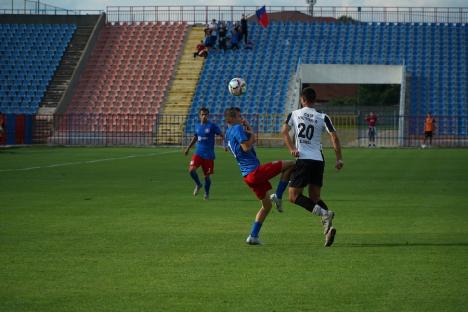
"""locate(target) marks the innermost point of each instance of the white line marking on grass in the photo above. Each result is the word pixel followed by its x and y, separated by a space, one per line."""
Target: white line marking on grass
pixel 86 162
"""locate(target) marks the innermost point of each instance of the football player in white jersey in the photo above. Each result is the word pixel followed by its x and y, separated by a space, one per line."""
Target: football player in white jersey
pixel 308 125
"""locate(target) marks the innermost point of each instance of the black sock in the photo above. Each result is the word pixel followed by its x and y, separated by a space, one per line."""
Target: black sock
pixel 305 202
pixel 322 204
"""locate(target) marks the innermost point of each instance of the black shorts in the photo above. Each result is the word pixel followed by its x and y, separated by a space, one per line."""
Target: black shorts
pixel 428 134
pixel 307 171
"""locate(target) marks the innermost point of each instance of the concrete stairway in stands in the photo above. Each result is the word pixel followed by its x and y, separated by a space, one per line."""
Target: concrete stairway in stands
pixel 64 72
pixel 172 119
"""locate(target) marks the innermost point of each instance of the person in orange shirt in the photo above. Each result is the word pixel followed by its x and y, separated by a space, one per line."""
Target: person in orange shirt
pixel 429 128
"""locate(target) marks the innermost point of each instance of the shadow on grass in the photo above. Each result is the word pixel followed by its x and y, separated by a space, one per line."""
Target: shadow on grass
pixel 405 244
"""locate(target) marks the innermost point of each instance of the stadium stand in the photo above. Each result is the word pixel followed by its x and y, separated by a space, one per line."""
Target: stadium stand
pixel 127 76
pixel 435 56
pixel 30 54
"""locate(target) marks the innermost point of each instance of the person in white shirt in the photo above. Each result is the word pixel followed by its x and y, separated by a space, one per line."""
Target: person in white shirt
pixel 308 125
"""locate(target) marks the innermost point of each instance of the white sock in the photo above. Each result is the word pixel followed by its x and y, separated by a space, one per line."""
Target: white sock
pixel 319 211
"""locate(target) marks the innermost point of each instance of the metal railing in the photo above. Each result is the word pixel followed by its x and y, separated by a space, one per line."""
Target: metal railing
pixel 199 14
pixel 28 7
pixel 204 14
pixel 110 129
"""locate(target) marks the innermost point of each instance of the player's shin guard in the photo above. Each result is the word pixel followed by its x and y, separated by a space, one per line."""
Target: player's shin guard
pixel 282 185
pixel 207 185
pixel 195 178
pixel 305 203
pixel 318 209
pixel 322 204
pixel 256 228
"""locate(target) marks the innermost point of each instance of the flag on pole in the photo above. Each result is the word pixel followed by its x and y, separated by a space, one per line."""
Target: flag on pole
pixel 262 16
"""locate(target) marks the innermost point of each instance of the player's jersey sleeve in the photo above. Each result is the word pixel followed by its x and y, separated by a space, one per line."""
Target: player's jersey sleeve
pixel 328 124
pixel 289 121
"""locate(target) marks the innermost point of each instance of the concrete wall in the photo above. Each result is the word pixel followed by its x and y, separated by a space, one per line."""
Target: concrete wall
pixel 351 74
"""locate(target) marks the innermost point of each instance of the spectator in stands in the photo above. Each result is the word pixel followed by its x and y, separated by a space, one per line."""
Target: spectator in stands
pixel 244 29
pixel 371 120
pixel 214 32
pixel 235 39
pixel 204 155
pixel 222 36
pixel 429 128
pixel 201 50
pixel 207 40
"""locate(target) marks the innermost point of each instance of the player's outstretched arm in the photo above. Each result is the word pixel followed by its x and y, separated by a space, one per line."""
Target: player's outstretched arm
pixel 194 139
pixel 335 140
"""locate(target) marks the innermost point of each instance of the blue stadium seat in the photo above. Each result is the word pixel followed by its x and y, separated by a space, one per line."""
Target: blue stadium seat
pixel 31 54
pixel 434 53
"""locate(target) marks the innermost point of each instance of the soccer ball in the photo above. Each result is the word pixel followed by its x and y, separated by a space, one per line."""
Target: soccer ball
pixel 237 86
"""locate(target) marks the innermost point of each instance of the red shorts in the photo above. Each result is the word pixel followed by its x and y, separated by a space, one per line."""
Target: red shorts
pixel 257 180
pixel 206 164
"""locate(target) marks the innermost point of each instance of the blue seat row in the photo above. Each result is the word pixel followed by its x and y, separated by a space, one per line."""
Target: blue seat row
pixel 434 55
pixel 29 56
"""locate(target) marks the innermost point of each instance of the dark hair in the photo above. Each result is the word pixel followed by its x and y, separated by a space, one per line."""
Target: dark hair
pixel 231 112
pixel 204 109
pixel 309 94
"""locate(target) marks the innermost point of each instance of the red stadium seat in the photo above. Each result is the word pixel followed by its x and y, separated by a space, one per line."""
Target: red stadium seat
pixel 128 73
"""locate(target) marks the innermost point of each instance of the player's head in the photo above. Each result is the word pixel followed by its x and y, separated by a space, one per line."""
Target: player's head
pixel 232 115
pixel 203 114
pixel 308 96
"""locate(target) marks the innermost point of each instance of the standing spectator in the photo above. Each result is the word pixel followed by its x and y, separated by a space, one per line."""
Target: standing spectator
pixel 207 40
pixel 235 39
pixel 308 125
pixel 429 128
pixel 204 155
pixel 371 120
pixel 244 29
pixel 222 36
pixel 214 32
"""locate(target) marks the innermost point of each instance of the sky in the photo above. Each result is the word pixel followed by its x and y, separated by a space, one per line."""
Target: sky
pixel 101 4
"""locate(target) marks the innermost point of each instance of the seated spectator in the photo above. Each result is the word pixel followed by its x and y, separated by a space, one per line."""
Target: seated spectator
pixel 201 50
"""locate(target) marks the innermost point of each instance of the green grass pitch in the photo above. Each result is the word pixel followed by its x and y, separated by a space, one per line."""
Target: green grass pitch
pixel 117 229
